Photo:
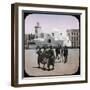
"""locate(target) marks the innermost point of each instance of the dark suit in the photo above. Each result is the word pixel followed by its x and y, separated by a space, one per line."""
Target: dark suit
pixel 51 58
pixel 39 52
pixel 57 51
pixel 65 54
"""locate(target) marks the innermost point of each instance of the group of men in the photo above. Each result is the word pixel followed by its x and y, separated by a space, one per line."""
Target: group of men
pixel 61 53
pixel 48 56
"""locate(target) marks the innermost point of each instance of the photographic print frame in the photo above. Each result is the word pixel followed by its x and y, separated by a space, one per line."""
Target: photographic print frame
pixel 18 58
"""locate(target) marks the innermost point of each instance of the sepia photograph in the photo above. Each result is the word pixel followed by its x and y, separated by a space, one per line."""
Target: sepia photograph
pixel 52 44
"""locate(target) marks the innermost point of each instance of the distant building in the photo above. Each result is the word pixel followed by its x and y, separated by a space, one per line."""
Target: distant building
pixel 41 35
pixel 31 36
pixel 27 37
pixel 53 38
pixel 26 40
pixel 47 41
pixel 74 36
pixel 37 30
pixel 61 37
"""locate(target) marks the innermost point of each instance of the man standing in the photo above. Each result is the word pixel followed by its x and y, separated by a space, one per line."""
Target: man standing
pixel 65 54
pixel 39 52
pixel 44 57
pixel 57 50
pixel 51 58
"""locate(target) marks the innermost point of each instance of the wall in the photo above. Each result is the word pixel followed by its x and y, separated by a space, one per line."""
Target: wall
pixel 5 44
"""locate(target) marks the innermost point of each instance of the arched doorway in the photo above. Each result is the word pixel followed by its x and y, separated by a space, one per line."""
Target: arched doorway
pixel 49 41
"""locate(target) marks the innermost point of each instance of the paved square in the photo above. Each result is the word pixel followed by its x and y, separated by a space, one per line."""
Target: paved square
pixel 68 68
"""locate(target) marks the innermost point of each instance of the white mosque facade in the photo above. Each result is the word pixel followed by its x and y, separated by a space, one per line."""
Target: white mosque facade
pixel 53 38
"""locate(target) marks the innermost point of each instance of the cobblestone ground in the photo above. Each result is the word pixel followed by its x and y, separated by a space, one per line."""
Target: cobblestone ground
pixel 70 67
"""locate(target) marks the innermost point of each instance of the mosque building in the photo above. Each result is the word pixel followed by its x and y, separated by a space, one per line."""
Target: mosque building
pixel 54 38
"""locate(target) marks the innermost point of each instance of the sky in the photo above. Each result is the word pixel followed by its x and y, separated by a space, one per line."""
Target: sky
pixel 50 23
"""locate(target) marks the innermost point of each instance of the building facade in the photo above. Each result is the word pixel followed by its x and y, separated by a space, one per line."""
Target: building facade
pixel 53 38
pixel 37 30
pixel 26 40
pixel 48 40
pixel 74 36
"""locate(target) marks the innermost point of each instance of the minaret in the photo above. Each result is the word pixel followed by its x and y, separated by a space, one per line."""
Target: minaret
pixel 37 30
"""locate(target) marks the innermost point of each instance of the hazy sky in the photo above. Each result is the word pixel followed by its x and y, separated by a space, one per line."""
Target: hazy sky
pixel 50 23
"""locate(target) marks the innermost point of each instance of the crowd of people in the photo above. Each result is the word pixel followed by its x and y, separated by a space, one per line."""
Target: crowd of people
pixel 48 55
